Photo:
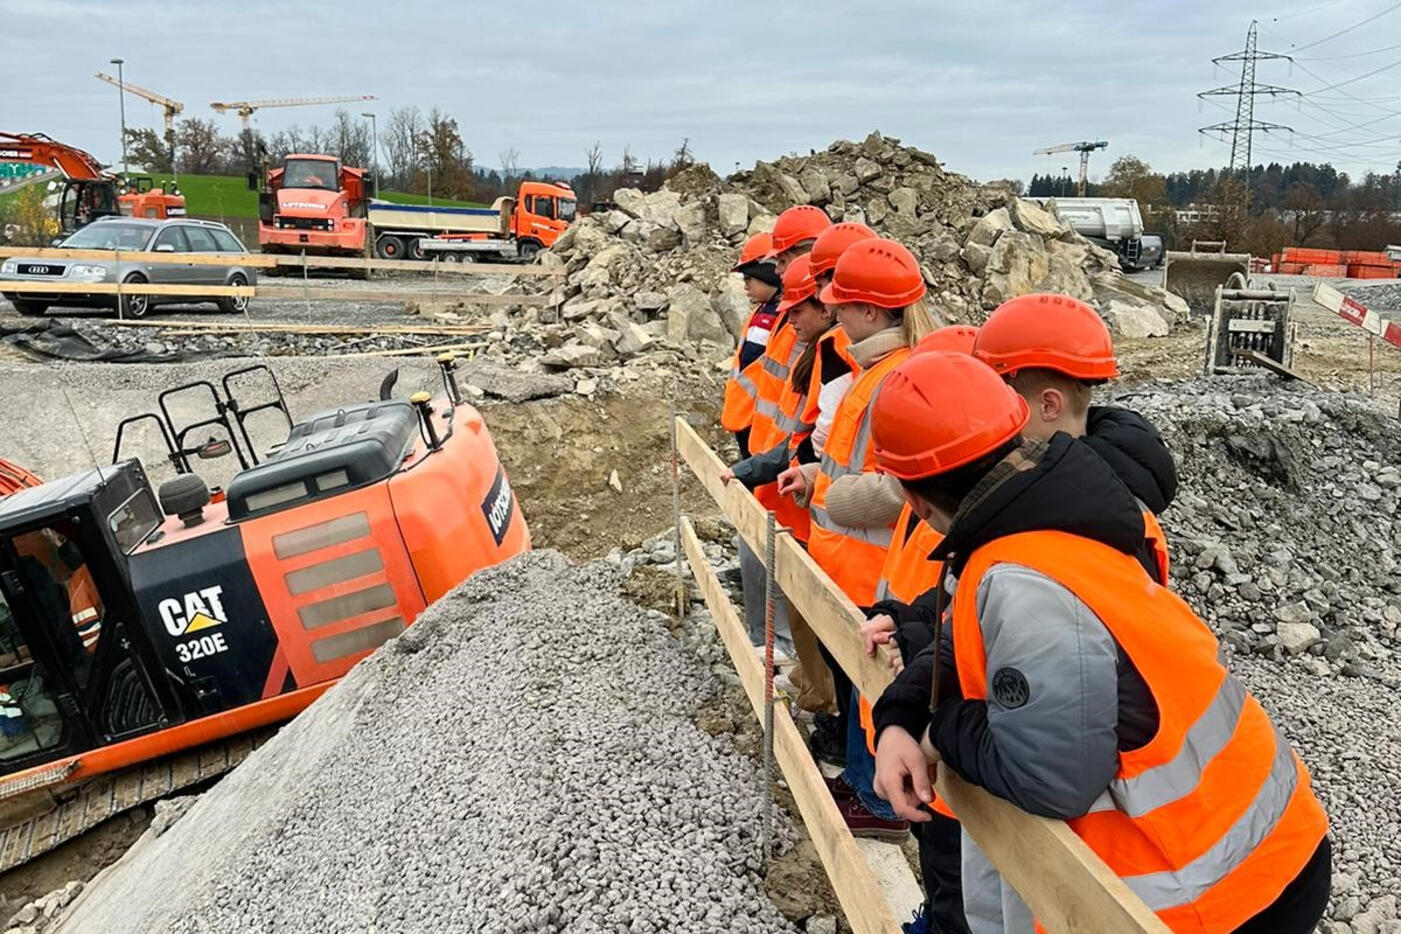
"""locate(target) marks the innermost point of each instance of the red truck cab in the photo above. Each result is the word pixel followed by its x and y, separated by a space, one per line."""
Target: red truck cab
pixel 314 204
pixel 542 212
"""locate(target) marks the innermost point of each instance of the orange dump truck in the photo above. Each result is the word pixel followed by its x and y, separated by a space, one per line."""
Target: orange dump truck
pixel 315 205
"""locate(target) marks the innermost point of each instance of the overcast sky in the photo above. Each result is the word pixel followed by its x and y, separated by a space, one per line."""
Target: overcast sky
pixel 979 84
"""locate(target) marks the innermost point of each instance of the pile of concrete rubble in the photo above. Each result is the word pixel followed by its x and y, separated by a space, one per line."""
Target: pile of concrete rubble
pixel 658 263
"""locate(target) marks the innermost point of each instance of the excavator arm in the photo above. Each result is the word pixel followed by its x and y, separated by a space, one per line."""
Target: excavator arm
pixel 38 149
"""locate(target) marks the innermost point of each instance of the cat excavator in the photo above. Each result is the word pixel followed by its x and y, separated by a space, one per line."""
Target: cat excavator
pixel 89 192
pixel 151 638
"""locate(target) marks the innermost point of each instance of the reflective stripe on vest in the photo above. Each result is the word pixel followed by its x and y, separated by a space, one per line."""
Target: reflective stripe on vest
pixel 1211 819
pixel 852 557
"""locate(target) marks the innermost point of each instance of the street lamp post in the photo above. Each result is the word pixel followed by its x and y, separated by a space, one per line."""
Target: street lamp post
pixel 121 96
pixel 374 145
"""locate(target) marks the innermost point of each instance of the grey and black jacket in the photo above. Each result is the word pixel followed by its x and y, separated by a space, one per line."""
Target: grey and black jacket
pixel 1132 448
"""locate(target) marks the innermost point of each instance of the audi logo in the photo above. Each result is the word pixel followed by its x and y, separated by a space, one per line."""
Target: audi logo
pixel 39 270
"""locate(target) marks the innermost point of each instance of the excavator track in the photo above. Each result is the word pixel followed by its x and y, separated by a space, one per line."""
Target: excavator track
pixel 39 821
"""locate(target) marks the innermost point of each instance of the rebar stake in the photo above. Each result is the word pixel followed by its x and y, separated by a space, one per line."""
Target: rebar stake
pixel 770 589
pixel 676 514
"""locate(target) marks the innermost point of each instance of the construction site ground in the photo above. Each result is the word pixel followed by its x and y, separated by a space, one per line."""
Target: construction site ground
pixel 593 472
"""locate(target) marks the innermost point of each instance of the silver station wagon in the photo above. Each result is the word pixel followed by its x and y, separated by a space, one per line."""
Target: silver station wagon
pixel 130 234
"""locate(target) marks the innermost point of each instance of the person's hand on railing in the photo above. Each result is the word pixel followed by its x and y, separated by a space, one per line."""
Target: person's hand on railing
pixel 904 774
pixel 877 631
pixel 726 475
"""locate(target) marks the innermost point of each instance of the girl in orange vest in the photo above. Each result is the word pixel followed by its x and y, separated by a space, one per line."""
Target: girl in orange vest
pixel 877 290
pixel 1073 685
pixel 762 285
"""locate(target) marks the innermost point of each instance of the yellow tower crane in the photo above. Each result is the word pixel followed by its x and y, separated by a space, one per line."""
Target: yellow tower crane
pixel 245 108
pixel 1084 149
pixel 170 108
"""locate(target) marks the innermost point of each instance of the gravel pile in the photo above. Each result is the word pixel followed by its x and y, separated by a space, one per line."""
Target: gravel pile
pixel 1285 539
pixel 523 759
pixel 1385 297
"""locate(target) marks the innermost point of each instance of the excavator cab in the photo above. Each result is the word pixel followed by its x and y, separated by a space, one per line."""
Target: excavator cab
pixel 75 669
pixel 84 201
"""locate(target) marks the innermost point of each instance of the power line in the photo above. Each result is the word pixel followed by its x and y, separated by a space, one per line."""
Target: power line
pixel 1343 32
pixel 1334 58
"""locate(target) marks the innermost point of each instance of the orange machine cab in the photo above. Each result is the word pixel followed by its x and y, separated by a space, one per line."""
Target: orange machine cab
pixel 543 211
pixel 222 616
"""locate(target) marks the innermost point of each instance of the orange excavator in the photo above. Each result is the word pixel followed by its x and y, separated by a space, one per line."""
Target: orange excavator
pixel 149 639
pixel 88 191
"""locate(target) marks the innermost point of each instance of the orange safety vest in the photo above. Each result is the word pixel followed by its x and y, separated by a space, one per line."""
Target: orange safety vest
pixel 1215 816
pixel 1157 538
pixel 766 431
pixel 852 557
pixel 742 388
pixel 836 339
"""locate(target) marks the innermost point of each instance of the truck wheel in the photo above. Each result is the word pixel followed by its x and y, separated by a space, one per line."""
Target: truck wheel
pixel 451 257
pixel 415 249
pixel 528 251
pixel 387 247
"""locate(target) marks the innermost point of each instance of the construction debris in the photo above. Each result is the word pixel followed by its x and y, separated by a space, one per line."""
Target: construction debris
pixel 672 249
pixel 500 767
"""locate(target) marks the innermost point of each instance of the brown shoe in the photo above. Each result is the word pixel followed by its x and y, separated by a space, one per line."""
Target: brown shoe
pixel 839 789
pixel 862 823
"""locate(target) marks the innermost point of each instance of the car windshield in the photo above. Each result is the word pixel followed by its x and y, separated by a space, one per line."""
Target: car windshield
pixel 109 235
pixel 311 173
pixel 566 209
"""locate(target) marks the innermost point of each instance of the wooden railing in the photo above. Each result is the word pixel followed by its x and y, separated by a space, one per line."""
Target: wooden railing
pixel 1067 886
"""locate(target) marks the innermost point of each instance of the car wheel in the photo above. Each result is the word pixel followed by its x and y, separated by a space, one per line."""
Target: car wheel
pixel 235 304
pixel 29 308
pixel 134 306
pixel 389 248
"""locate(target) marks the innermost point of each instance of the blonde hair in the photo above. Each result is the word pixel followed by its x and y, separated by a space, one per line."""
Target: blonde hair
pixel 916 321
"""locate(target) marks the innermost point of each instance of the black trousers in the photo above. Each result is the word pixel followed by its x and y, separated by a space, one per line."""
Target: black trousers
pixel 1300 906
pixel 941 866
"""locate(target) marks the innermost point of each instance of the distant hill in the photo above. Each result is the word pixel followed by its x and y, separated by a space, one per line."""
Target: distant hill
pixel 565 172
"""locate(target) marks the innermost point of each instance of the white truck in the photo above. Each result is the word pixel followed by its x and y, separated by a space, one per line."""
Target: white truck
pixel 1113 223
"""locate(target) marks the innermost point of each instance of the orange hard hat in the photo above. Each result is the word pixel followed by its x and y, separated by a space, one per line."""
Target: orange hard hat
pixel 1047 332
pixel 878 271
pixel 941 410
pixel 797 224
pixel 956 338
pixel 832 243
pixel 799 283
pixel 756 248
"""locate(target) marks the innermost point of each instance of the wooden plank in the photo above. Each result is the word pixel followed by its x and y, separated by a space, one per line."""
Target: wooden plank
pixel 858 892
pixel 387 295
pixel 1067 886
pixel 830 612
pixel 1269 363
pixel 271 260
pixel 124 288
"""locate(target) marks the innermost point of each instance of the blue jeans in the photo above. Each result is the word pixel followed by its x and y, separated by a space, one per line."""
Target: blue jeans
pixel 860 771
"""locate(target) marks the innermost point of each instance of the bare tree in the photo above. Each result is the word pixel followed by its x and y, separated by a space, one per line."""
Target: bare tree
pixel 199 146
pixel 510 165
pixel 402 129
pixel 683 157
pixel 351 139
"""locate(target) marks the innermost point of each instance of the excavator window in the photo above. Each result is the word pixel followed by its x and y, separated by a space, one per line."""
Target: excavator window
pixel 30 720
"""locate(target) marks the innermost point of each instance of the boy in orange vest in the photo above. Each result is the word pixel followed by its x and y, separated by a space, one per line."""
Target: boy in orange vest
pixel 1072 684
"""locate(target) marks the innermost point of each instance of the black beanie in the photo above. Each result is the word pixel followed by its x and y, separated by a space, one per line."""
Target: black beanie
pixel 763 270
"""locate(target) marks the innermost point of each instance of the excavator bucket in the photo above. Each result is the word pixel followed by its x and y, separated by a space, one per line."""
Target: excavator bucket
pixel 1194 275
